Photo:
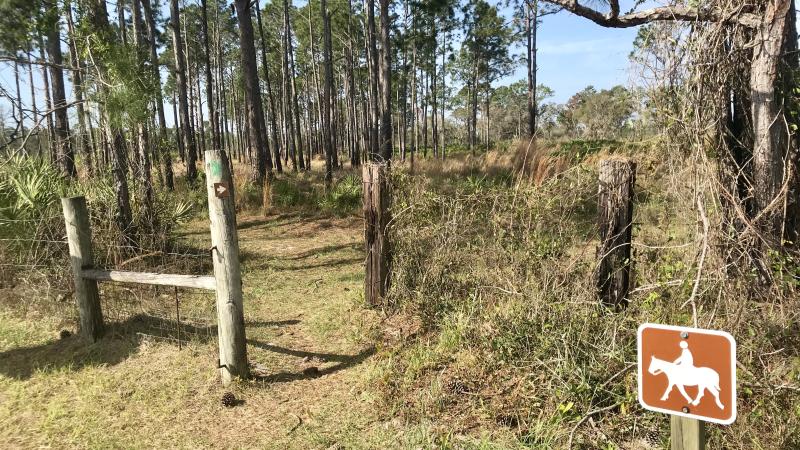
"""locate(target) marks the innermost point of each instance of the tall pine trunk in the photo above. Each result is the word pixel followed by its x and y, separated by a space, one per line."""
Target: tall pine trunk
pixel 288 122
pixel 355 155
pixel 255 115
pixel 531 28
pixel 295 103
pixel 372 54
pixel 64 152
pixel 123 216
pixel 161 147
pixel 213 115
pixel 187 133
pixel 34 108
pixel 443 147
pixel 770 137
pixel 143 137
pixel 326 96
pixel 48 102
pixel 265 68
pixel 386 78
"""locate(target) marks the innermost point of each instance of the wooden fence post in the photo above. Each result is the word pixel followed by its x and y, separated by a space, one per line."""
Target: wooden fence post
pixel 225 254
pixel 615 219
pixel 376 218
pixel 686 433
pixel 79 237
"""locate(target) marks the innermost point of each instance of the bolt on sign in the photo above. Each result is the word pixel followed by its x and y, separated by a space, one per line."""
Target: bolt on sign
pixel 688 372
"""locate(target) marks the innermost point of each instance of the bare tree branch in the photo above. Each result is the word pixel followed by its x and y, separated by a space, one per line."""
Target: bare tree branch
pixel 664 13
pixel 34 62
pixel 614 5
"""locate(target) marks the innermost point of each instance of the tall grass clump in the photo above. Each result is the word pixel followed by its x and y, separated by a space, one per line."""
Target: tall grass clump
pixel 494 289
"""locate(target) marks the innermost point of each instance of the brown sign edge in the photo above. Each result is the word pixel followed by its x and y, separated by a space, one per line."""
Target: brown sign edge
pixel 224 194
pixel 724 334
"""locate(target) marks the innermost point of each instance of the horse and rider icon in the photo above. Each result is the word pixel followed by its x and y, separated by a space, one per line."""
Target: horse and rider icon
pixel 682 373
pixel 688 372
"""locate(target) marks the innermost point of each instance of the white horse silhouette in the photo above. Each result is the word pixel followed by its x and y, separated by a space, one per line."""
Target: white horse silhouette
pixel 681 376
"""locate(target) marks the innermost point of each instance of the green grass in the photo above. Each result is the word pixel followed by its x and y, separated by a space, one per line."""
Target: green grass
pixel 494 339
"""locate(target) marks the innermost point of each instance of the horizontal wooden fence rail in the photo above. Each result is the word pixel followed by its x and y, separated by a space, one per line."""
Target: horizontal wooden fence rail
pixel 159 279
pixel 226 281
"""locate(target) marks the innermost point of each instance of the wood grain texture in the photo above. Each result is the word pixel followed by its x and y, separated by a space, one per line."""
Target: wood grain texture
pixel 159 279
pixel 376 218
pixel 225 254
pixel 687 434
pixel 79 238
pixel 614 221
pixel 671 13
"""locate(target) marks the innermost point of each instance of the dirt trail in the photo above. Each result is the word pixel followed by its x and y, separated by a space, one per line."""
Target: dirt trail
pixel 309 338
pixel 306 328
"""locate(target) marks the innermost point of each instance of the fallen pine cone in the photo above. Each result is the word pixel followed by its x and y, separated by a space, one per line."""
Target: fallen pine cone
pixel 228 400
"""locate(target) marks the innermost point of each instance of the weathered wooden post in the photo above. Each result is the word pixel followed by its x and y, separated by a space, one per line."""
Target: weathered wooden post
pixel 686 433
pixel 376 218
pixel 615 217
pixel 79 237
pixel 225 254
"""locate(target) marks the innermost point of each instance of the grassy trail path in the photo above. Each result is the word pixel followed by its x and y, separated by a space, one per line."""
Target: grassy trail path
pixel 309 339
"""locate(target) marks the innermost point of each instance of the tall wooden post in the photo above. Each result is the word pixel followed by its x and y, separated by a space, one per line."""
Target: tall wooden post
pixel 615 219
pixel 79 237
pixel 687 434
pixel 225 254
pixel 376 218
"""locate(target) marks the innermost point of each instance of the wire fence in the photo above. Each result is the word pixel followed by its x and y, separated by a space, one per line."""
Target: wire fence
pixel 35 273
pixel 168 314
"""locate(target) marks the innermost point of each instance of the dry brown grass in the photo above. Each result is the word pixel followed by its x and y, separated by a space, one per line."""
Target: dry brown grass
pixel 303 309
pixel 511 336
pixel 536 163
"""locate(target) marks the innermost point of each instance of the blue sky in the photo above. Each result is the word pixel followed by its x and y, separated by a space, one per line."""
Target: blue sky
pixel 573 53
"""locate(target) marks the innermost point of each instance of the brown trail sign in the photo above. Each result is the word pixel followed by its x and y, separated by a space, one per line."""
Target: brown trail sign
pixel 688 372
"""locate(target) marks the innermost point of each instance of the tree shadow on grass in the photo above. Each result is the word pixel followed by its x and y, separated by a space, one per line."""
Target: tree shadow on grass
pixel 343 362
pixel 120 340
pixel 272 221
pixel 326 250
pixel 293 267
pixel 246 256
pixel 272 323
pixel 123 339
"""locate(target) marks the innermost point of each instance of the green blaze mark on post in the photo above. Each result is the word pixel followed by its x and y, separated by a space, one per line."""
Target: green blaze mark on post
pixel 216 169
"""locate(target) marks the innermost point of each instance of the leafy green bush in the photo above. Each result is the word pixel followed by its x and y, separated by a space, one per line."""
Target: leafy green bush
pixel 30 222
pixel 28 188
pixel 344 197
pixel 287 192
pixel 32 225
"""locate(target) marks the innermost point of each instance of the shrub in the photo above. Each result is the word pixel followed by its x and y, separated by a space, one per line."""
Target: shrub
pixel 499 280
pixel 32 237
pixel 578 149
pixel 286 192
pixel 344 197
